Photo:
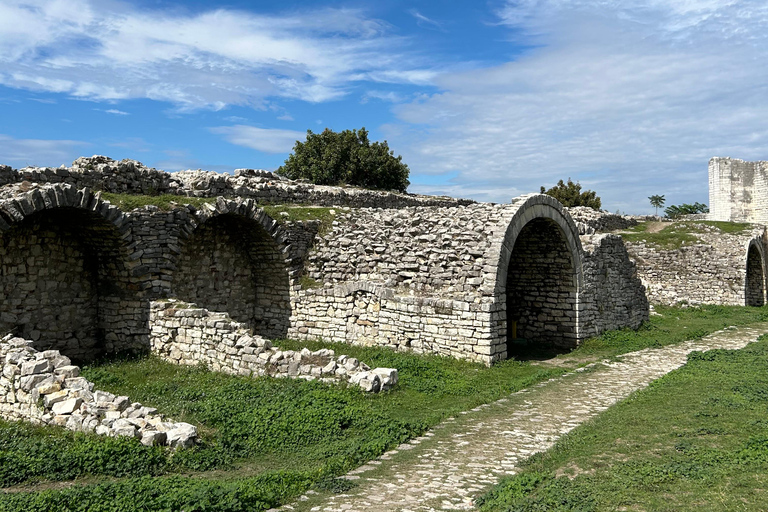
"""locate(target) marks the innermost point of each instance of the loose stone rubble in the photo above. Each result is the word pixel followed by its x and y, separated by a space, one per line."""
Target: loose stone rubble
pixel 590 221
pixel 44 387
pixel 186 334
pixel 130 176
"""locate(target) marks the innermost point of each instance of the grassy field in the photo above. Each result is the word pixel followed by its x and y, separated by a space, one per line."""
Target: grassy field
pixel 267 440
pixel 696 439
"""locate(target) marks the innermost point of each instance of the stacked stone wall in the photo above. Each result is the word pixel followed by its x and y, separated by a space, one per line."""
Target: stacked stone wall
pixel 590 221
pixel 613 295
pixel 541 287
pixel 230 264
pixel 187 334
pixel 365 313
pixel 132 177
pixel 68 278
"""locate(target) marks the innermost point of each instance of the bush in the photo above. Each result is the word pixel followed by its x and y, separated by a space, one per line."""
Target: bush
pixel 676 211
pixel 347 157
pixel 570 194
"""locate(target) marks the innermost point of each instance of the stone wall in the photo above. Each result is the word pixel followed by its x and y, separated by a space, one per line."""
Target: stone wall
pixel 712 271
pixel 184 333
pixel 738 190
pixel 614 296
pixel 44 387
pixel 440 280
pixel 432 279
pixel 132 177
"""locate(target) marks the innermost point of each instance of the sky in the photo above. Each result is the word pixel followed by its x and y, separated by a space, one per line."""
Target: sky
pixel 483 99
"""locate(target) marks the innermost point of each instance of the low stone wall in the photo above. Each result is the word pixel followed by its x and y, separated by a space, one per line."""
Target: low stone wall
pixel 44 387
pixel 183 333
pixel 132 177
pixel 365 313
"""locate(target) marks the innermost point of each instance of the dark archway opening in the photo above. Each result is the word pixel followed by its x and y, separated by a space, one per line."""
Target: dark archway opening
pixel 541 293
pixel 231 264
pixel 66 285
pixel 755 286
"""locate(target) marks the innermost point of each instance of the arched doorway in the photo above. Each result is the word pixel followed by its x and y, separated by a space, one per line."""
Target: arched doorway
pixel 66 284
pixel 231 264
pixel 541 289
pixel 755 278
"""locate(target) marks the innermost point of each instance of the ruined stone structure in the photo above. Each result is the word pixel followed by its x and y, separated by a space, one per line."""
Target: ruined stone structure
pixel 738 190
pixel 463 281
pixel 445 276
pixel 720 268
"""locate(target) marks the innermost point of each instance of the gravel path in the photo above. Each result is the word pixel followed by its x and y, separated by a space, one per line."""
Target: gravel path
pixel 460 458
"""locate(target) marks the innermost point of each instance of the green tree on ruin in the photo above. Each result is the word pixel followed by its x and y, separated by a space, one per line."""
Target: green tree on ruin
pixel 657 202
pixel 346 158
pixel 570 194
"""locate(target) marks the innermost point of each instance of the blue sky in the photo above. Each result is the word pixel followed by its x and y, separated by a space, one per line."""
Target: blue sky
pixel 486 100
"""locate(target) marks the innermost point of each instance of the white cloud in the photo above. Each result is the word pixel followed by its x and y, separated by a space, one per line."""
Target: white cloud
pixel 38 152
pixel 261 139
pixel 116 112
pixel 115 50
pixel 629 98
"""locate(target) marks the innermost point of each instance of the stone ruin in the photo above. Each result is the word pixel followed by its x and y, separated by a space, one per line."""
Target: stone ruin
pixel 214 284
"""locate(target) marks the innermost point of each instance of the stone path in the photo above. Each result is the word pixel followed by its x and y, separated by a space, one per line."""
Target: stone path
pixel 460 458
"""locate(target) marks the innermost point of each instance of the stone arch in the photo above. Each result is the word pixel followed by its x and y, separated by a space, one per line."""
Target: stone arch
pixel 68 279
pixel 539 276
pixel 755 281
pixel 235 259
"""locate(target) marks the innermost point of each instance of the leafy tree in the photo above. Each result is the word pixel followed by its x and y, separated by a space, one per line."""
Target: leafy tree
pixel 570 194
pixel 346 157
pixel 657 202
pixel 675 211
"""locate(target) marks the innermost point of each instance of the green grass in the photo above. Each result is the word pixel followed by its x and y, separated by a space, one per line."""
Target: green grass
pixel 677 234
pixel 673 325
pixel 166 202
pixel 302 213
pixel 275 438
pixel 696 439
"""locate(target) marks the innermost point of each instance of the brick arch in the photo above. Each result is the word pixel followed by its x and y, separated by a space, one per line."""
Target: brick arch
pixel 67 274
pixel 755 278
pixel 538 276
pixel 236 259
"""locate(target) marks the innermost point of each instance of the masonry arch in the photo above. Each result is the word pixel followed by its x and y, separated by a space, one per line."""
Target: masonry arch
pixel 539 277
pixel 66 274
pixel 235 260
pixel 755 283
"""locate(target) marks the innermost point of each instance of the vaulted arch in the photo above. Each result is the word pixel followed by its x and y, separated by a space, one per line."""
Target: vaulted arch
pixel 539 276
pixel 235 260
pixel 67 276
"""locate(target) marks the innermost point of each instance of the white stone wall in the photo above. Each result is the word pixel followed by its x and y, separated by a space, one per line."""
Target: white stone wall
pixel 738 190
